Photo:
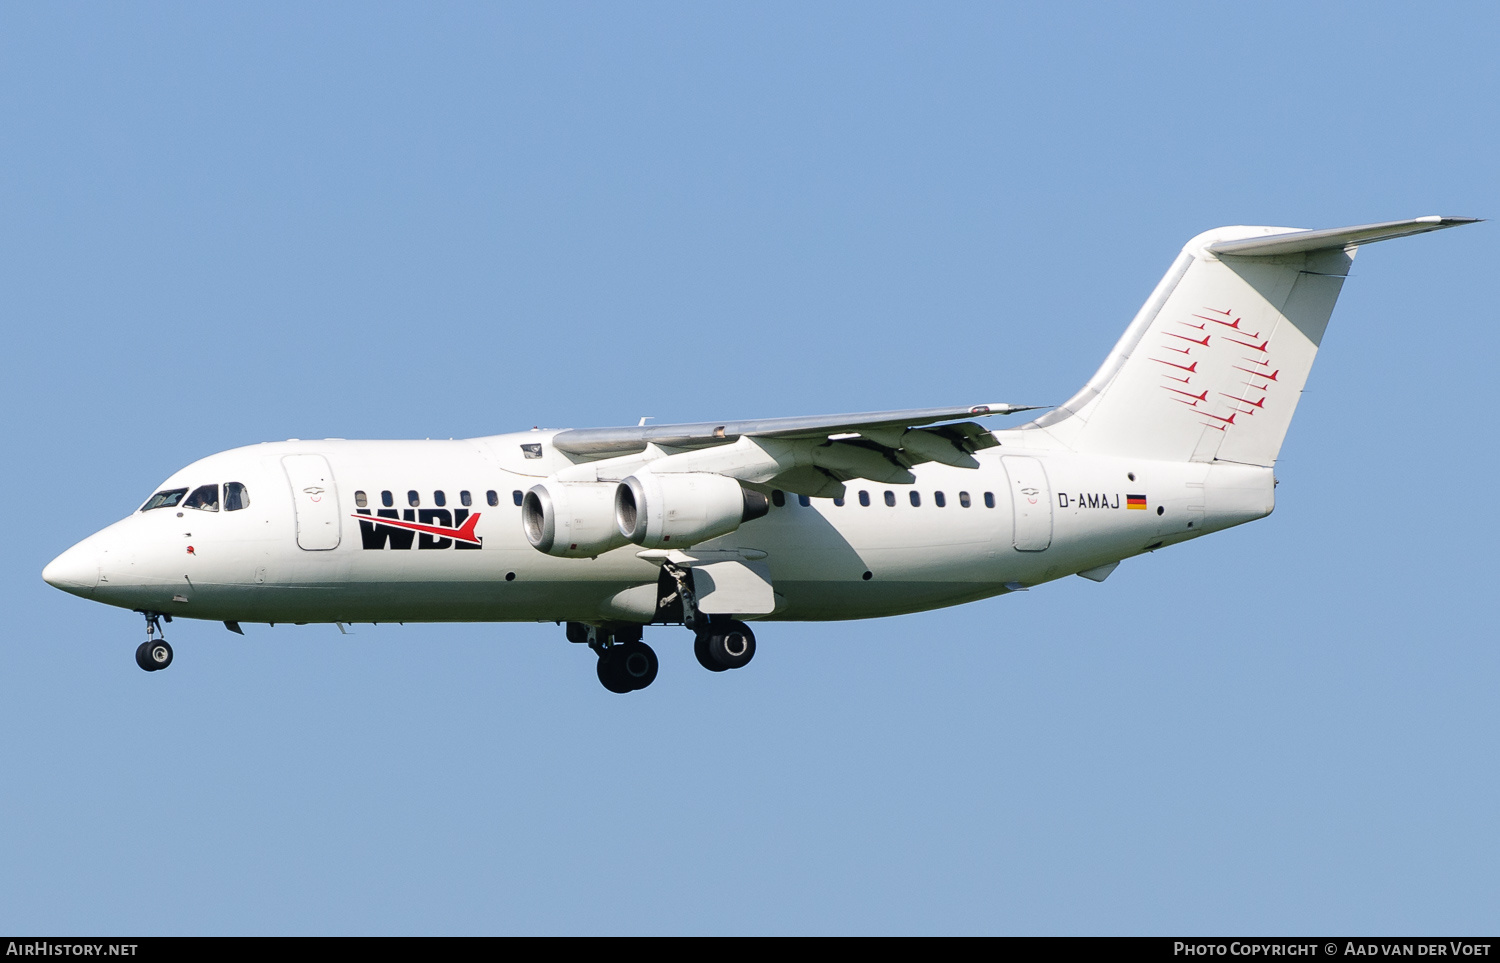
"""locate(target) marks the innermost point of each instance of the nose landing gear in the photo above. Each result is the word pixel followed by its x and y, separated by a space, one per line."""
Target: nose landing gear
pixel 154 653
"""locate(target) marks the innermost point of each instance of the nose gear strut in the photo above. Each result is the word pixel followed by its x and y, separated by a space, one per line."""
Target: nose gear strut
pixel 154 653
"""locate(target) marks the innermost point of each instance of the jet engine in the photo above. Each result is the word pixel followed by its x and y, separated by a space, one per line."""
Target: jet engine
pixel 679 509
pixel 571 519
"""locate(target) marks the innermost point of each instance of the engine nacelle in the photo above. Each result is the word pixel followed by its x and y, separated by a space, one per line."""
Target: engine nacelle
pixel 571 519
pixel 679 509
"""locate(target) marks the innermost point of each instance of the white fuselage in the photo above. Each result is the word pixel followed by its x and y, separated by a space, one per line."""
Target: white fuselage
pixel 1031 516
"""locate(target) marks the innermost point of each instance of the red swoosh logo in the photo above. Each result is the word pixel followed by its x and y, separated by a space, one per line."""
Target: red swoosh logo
pixel 464 534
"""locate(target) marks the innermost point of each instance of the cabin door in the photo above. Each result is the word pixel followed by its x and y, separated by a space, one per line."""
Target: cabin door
pixel 1031 503
pixel 315 499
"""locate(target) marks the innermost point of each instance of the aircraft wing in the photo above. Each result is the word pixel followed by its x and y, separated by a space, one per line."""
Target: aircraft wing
pixel 603 441
pixel 600 442
pixel 817 454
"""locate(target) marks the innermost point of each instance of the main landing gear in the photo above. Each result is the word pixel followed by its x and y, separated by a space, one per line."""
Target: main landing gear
pixel 724 644
pixel 154 653
pixel 719 642
pixel 625 662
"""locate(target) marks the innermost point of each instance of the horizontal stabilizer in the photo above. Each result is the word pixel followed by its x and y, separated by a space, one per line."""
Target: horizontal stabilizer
pixel 1333 238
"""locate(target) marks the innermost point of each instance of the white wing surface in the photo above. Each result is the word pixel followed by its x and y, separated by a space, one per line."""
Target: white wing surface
pixel 811 455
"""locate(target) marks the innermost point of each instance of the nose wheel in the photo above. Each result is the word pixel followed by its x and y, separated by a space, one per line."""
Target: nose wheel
pixel 154 653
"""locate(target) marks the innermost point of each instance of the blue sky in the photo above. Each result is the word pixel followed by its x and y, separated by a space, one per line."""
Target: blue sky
pixel 224 225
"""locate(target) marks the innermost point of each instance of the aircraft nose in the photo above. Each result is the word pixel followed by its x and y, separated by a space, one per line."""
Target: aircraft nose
pixel 75 571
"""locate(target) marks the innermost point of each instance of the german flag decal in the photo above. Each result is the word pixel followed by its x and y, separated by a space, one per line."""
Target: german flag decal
pixel 1135 501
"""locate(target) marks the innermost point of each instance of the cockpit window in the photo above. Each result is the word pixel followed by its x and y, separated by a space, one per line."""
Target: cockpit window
pixel 205 498
pixel 236 497
pixel 166 499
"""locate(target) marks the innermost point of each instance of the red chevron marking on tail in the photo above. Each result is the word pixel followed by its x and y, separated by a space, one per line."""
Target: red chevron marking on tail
pixel 1191 369
pixel 1184 337
pixel 1235 324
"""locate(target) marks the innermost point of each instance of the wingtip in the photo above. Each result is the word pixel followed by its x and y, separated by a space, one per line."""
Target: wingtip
pixel 1001 408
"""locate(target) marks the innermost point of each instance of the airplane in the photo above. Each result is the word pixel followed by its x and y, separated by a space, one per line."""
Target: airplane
pixel 715 525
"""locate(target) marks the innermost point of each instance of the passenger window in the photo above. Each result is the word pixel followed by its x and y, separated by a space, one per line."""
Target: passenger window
pixel 516 497
pixel 804 501
pixel 413 499
pixel 491 498
pixel 778 498
pixel 439 499
pixel 939 499
pixel 360 501
pixel 386 499
pixel 916 499
pixel 465 499
pixel 237 496
pixel 989 499
pixel 864 499
pixel 963 499
pixel 166 499
pixel 839 502
pixel 205 498
pixel 890 499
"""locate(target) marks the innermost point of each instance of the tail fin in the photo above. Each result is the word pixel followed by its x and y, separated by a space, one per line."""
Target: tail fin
pixel 1212 366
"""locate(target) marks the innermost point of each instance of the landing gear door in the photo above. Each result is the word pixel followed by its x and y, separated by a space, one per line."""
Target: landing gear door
pixel 315 500
pixel 734 588
pixel 1031 503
